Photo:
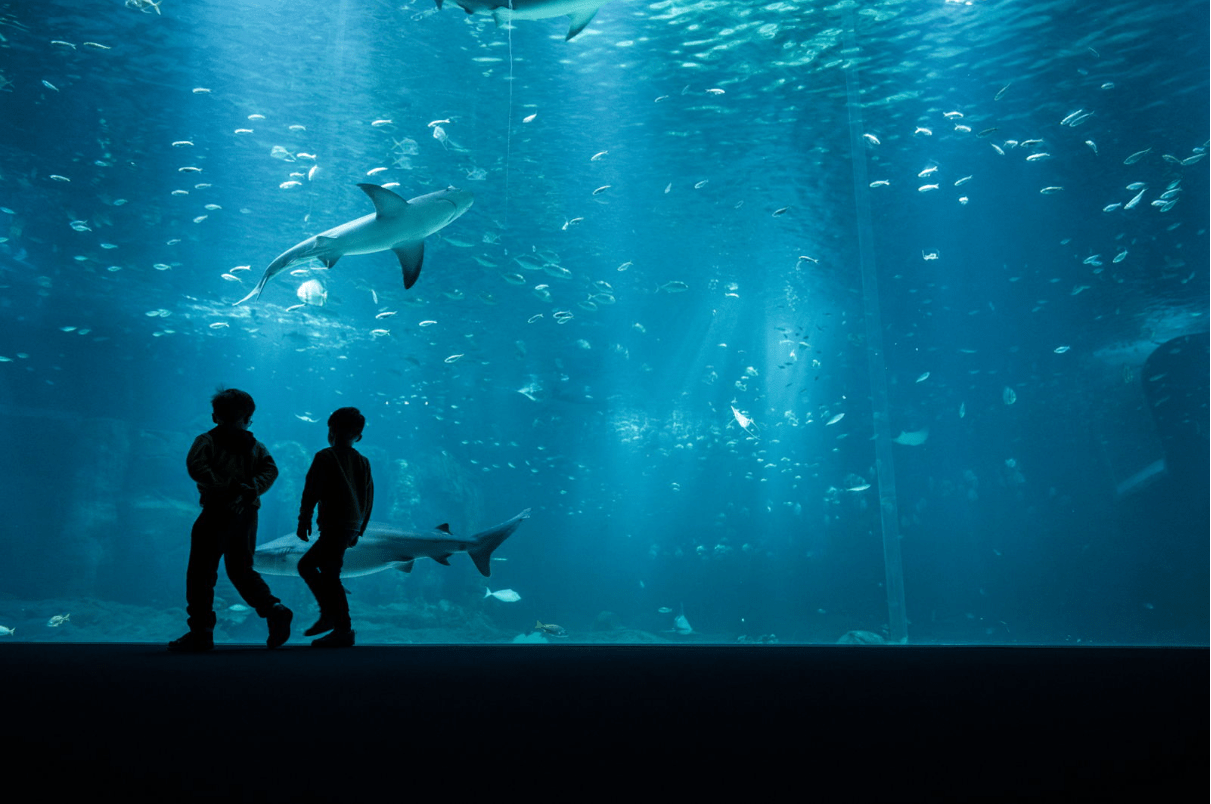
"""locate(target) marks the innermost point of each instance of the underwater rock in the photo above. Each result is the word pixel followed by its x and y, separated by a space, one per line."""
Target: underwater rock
pixel 861 638
pixel 607 621
pixel 531 639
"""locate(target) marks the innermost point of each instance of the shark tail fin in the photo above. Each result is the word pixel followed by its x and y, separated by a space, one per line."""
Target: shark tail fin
pixel 489 540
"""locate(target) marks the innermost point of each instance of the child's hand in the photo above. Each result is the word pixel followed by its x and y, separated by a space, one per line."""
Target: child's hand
pixel 304 531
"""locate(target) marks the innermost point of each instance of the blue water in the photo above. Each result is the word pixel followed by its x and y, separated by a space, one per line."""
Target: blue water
pixel 719 269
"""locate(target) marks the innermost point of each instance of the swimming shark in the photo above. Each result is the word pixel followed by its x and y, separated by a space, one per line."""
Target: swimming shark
pixel 384 546
pixel 580 11
pixel 396 225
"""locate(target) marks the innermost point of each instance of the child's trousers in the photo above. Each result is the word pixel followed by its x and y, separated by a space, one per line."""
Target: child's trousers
pixel 222 533
pixel 321 569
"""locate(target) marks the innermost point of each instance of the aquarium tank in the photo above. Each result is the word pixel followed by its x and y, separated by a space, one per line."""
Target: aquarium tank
pixel 785 322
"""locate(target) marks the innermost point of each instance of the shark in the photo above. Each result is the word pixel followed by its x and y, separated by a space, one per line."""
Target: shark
pixel 581 12
pixel 395 225
pixel 384 547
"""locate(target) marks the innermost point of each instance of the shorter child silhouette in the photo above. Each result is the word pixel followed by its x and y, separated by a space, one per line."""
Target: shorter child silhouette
pixel 339 482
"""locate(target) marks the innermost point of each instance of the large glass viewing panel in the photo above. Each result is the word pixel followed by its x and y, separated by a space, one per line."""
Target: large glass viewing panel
pixel 787 322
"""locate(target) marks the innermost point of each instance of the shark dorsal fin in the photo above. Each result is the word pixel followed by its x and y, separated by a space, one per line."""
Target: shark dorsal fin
pixel 443 527
pixel 386 203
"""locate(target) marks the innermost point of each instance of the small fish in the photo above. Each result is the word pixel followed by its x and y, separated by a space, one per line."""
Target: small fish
pixel 1068 120
pixel 1134 201
pixel 1092 145
pixel 779 212
pixel 453 359
pixel 664 610
pixel 987 131
pixel 880 183
pixel 862 487
pixel 962 409
pixel 529 118
pixel 962 181
pixel 872 139
pixel 426 323
pixel 598 156
pixel 744 421
pixel 296 127
pixel 927 171
pixel 61 42
pixel 386 314
pixel 295 307
pixel 1122 255
pixel 388 121
pixel 219 325
pixel 5 631
pixel 701 184
pixel 232 278
pixel 835 419
pixel 304 418
pixel 923 377
pixel 1111 207
pixel 49 85
pixel 673 287
pixel 375 171
pixel 601 189
pixel 201 91
pixel 97 45
pixel 146 6
pixel 550 629
pixel 189 169
pixel 503 595
pixel 716 91
pixel 1038 156
pixel 286 185
pixel 1051 190
pixel 1001 92
pixel 1137 156
pixel 1009 396
pixel 925 188
pixel 380 333
pixel 58 620
pixel 923 130
pixel 1059 350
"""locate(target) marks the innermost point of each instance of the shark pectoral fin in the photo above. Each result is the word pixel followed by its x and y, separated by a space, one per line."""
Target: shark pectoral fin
pixel 445 559
pixel 444 527
pixel 411 255
pixel 321 242
pixel 407 566
pixel 579 20
pixel 386 203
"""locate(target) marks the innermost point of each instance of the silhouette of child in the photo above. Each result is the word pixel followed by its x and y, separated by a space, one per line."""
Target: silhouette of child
pixel 232 470
pixel 339 481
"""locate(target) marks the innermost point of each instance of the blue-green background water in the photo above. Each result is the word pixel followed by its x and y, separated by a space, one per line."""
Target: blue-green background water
pixel 723 133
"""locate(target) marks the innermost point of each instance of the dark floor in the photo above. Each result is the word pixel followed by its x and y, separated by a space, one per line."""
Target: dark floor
pixel 569 723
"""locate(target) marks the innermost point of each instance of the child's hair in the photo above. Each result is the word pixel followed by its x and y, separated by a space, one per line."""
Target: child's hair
pixel 347 422
pixel 232 404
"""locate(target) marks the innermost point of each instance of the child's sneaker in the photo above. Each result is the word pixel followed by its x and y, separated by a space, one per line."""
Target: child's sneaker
pixel 279 618
pixel 193 642
pixel 341 638
pixel 324 623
